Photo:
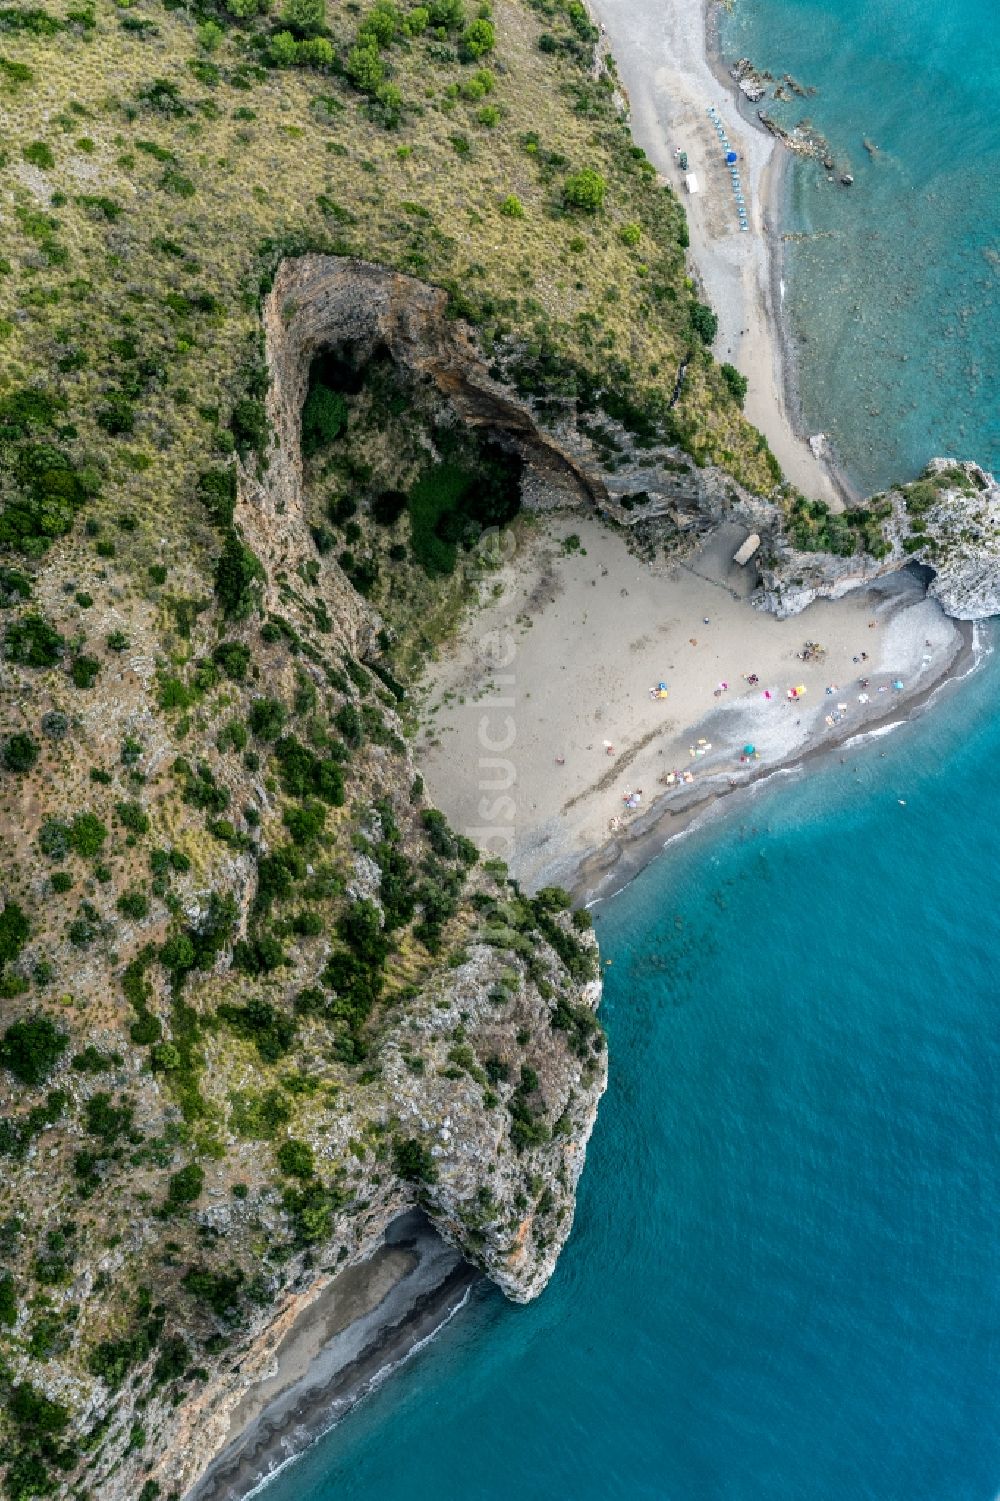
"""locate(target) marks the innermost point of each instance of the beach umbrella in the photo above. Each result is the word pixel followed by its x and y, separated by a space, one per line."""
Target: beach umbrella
pixel 749 750
pixel 731 157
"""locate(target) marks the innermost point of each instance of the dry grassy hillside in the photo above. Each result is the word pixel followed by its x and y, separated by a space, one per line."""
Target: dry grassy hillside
pixel 255 995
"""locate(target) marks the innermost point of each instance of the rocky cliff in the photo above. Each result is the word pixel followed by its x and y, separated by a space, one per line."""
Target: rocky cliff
pixel 297 1003
pixel 948 521
pixel 322 1011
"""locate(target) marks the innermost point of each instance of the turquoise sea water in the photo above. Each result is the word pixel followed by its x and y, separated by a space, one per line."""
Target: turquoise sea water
pixel 895 296
pixel 784 1278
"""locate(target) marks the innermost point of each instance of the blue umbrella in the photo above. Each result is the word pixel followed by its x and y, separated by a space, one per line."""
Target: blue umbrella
pixel 731 157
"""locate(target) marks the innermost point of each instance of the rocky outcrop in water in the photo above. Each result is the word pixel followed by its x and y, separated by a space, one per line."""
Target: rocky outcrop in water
pixel 804 139
pixel 751 81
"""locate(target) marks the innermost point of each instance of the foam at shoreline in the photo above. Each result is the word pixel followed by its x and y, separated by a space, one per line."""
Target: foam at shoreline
pixel 667 826
pixel 361 1328
pixel 588 628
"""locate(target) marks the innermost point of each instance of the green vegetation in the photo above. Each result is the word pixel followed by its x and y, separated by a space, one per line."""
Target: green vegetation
pixel 585 190
pixel 20 753
pixel 185 1186
pixel 238 578
pixel 451 505
pixel 706 326
pixel 736 382
pixel 39 1446
pixel 31 1048
pixel 296 1159
pixel 413 1159
pixel 813 527
pixel 227 904
pixel 324 417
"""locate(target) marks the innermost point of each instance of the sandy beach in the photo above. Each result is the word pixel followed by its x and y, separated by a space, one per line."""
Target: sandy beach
pixel 361 1326
pixel 541 738
pixel 661 53
pixel 540 725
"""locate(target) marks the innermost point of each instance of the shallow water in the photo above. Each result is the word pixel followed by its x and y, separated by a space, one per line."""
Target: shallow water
pixel 894 297
pixel 784 1279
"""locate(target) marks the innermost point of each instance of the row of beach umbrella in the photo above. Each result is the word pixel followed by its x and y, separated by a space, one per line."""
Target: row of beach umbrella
pixel 731 160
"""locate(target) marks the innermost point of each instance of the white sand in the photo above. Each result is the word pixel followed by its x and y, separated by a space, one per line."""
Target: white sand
pixel 659 46
pixel 560 660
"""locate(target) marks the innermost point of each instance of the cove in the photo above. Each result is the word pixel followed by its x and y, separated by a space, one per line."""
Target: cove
pixel 784 1277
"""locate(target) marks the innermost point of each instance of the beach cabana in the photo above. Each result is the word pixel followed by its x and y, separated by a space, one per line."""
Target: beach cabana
pixel 747 550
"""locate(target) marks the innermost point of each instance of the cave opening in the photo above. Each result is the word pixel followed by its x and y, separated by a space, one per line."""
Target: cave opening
pixel 402 459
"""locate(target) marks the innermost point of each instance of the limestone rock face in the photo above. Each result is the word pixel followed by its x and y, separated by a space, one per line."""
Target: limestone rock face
pixel 790 580
pixel 478 1198
pixel 320 303
pixel 323 303
pixel 480 1180
pixel 949 522
pixel 964 543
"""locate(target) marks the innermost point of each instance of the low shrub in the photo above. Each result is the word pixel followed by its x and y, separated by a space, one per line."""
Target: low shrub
pixel 32 642
pixel 20 753
pixel 185 1186
pixel 233 658
pixel 296 1158
pixel 87 835
pixel 413 1160
pixel 267 718
pixel 84 671
pixel 271 1031
pixel 704 322
pixel 324 418
pixel 736 381
pixel 239 576
pixel 31 1048
pixel 584 190
pixel 14 931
